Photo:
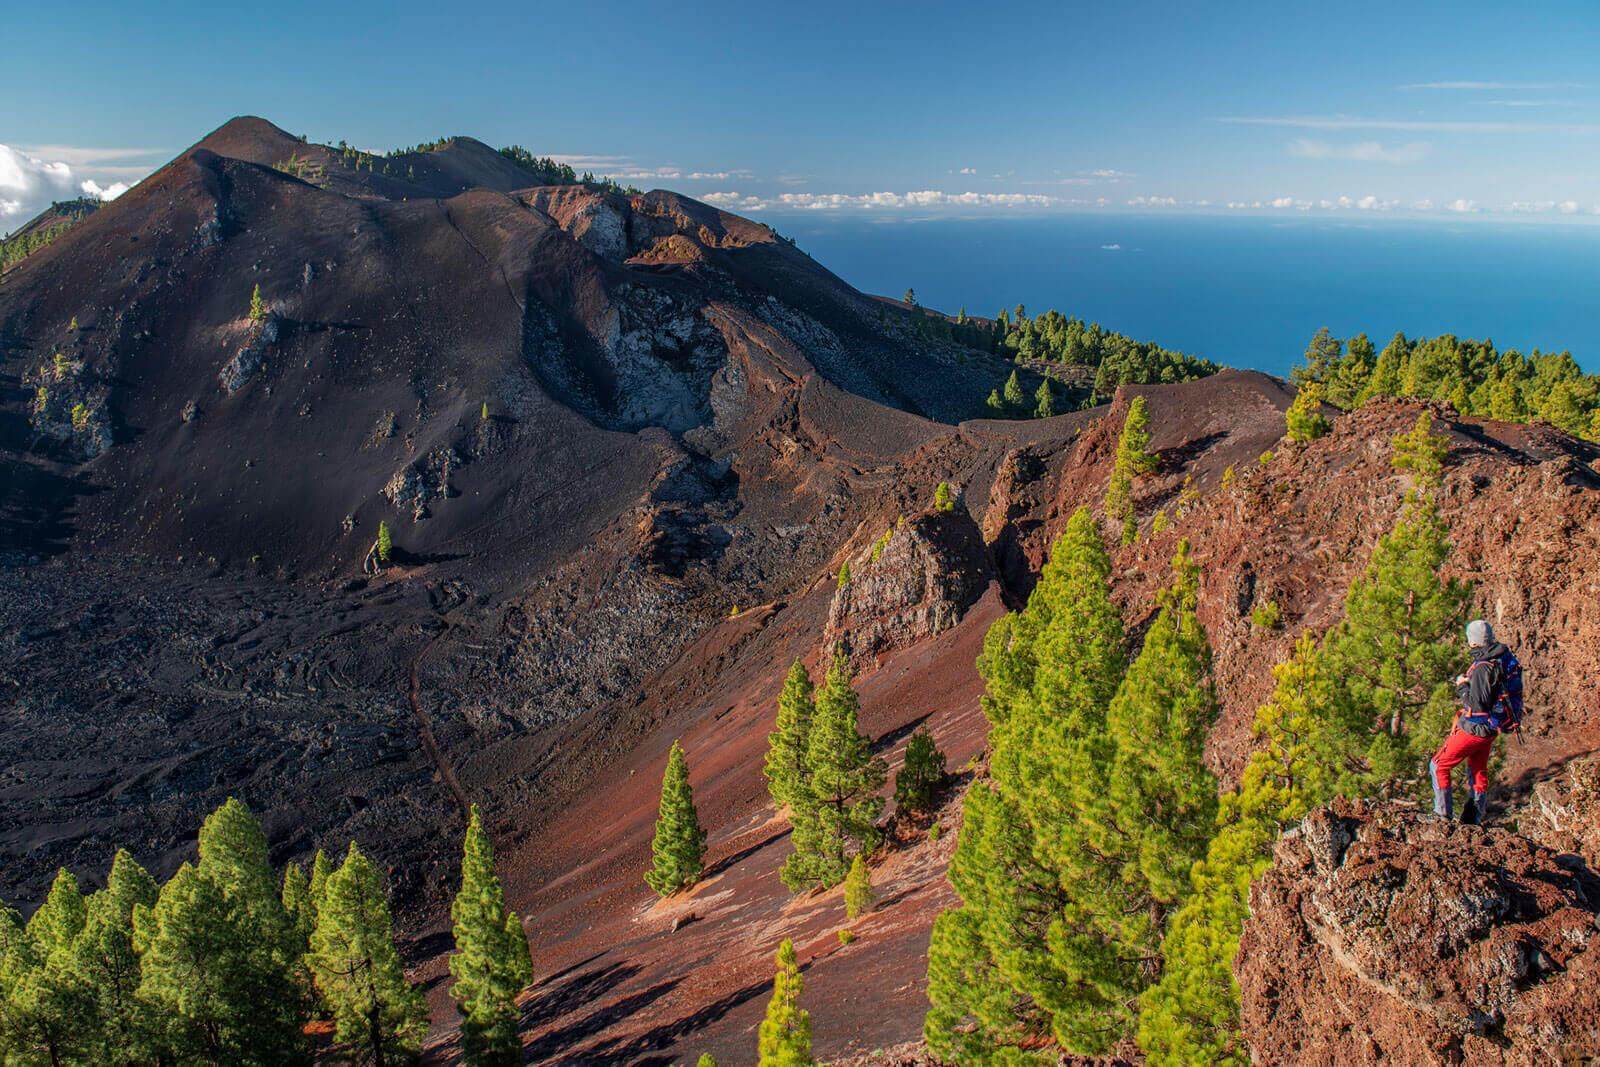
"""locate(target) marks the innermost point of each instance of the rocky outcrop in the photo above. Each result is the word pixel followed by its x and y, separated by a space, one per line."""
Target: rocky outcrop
pixel 414 486
pixel 1564 811
pixel 1383 936
pixel 916 581
pixel 248 359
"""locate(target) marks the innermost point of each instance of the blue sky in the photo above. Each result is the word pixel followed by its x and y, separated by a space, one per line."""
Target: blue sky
pixel 897 110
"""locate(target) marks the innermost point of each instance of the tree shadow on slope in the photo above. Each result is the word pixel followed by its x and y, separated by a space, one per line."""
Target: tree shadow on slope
pixel 629 1050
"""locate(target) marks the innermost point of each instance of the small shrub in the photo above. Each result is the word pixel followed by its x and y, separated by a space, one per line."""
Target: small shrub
pixel 1227 477
pixel 943 497
pixel 483 416
pixel 73 325
pixel 846 936
pixel 1305 419
pixel 80 418
pixel 881 543
pixel 1158 523
pixel 385 542
pixel 858 894
pixel 1266 457
pixel 1266 615
pixel 258 307
pixel 933 832
pixel 844 574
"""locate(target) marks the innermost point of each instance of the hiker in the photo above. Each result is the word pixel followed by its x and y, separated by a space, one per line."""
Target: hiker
pixel 1490 699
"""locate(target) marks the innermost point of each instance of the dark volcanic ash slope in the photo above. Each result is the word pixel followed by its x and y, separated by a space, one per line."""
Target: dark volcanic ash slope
pixel 593 421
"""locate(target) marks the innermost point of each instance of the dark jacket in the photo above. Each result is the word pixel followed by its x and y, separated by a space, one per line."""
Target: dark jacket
pixel 1491 695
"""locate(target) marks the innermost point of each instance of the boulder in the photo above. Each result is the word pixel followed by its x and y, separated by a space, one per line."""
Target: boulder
pixel 1381 935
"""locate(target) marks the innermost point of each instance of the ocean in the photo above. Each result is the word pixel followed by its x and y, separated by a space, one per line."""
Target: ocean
pixel 1248 292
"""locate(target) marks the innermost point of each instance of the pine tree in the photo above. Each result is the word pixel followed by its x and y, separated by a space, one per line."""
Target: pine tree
pixel 994 405
pixel 1191 1015
pixel 706 1060
pixel 1015 400
pixel 1305 419
pixel 785 1035
pixel 1133 460
pixel 845 777
pixel 1044 400
pixel 1001 966
pixel 844 574
pixel 679 848
pixel 385 542
pixel 858 894
pixel 1163 797
pixel 1422 452
pixel 491 964
pixel 298 905
pixel 786 769
pixel 321 870
pixel 358 971
pixel 911 298
pixel 219 960
pixel 45 1002
pixel 258 307
pixel 106 963
pixel 944 498
pixel 1397 645
pixel 921 776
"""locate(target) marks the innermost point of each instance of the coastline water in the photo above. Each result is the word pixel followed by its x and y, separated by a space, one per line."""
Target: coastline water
pixel 1247 291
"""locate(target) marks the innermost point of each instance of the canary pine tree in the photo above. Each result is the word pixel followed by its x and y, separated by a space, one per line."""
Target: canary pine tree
pixel 786 768
pixel 491 964
pixel 1010 967
pixel 219 960
pixel 45 1002
pixel 376 1012
pixel 106 963
pixel 1015 399
pixel 1044 401
pixel 842 805
pixel 1305 419
pixel 1395 649
pixel 1133 460
pixel 679 849
pixel 1192 1014
pixel 858 894
pixel 321 868
pixel 1163 799
pixel 297 904
pixel 784 1039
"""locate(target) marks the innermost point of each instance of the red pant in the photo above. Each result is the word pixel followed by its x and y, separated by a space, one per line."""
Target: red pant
pixel 1460 746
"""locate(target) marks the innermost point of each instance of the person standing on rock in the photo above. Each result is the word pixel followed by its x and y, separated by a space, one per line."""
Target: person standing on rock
pixel 1490 698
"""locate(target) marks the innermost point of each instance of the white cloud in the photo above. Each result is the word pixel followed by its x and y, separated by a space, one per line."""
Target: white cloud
pixel 93 188
pixel 1153 201
pixel 1111 248
pixel 1471 86
pixel 1359 151
pixel 28 184
pixel 881 201
pixel 968 170
pixel 1462 206
pixel 1350 122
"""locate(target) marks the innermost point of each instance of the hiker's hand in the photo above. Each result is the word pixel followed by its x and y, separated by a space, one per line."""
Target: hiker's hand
pixel 1461 679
